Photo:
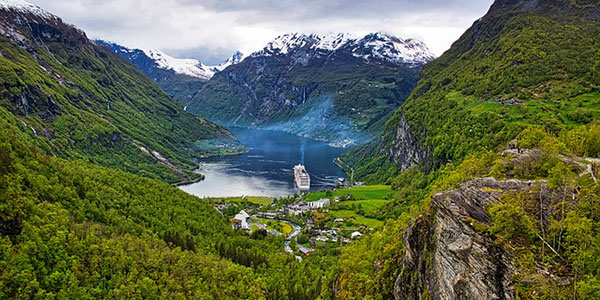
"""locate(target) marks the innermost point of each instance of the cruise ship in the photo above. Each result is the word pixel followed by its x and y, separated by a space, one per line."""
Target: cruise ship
pixel 302 178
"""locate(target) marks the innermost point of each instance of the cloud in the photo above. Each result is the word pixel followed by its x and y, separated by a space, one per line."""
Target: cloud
pixel 212 30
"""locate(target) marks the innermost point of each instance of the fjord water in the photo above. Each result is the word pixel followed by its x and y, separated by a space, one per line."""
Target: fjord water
pixel 266 169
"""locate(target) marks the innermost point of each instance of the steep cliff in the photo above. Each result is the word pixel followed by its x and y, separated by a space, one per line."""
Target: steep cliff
pixel 446 257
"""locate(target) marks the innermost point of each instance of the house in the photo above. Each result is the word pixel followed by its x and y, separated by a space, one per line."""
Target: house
pixel 355 235
pixel 305 250
pixel 322 238
pixel 240 221
pixel 324 202
pixel 336 199
pixel 339 220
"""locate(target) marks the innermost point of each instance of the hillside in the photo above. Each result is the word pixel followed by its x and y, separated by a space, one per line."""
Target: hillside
pixel 180 78
pixel 495 160
pixel 333 88
pixel 525 62
pixel 90 104
pixel 71 227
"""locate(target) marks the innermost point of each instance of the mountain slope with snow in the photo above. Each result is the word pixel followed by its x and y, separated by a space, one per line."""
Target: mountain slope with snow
pixel 25 7
pixel 180 78
pixel 372 47
pixel 190 67
pixel 336 88
pixel 183 66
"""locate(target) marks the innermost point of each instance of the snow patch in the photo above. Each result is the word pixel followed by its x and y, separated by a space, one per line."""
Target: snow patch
pixel 25 7
pixel 189 66
pixel 372 46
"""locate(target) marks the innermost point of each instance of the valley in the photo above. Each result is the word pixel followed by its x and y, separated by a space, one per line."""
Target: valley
pixel 133 174
pixel 266 169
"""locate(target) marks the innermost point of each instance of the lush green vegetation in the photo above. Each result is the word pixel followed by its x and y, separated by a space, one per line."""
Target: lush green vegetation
pixel 370 192
pixel 564 244
pixel 94 106
pixel 75 229
pixel 357 205
pixel 510 70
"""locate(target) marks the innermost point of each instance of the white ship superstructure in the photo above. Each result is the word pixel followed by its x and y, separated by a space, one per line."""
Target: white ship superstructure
pixel 302 178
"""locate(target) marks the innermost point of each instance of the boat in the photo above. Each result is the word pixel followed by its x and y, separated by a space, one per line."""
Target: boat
pixel 302 179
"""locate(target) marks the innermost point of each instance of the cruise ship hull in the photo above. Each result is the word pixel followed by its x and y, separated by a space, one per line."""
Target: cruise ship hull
pixel 301 178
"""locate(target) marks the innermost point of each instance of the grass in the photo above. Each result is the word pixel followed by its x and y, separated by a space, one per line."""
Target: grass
pixel 369 192
pixel 368 205
pixel 279 226
pixel 358 219
pixel 370 198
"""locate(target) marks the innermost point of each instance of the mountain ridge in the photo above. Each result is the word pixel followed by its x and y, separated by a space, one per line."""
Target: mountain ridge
pixel 332 88
pixel 82 100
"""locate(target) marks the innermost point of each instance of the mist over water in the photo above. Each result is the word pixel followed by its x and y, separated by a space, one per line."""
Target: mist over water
pixel 266 170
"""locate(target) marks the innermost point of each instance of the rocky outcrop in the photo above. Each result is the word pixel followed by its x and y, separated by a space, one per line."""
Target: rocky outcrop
pixel 402 148
pixel 446 257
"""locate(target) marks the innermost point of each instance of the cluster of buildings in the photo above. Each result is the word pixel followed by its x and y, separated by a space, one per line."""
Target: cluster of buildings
pixel 303 207
pixel 331 235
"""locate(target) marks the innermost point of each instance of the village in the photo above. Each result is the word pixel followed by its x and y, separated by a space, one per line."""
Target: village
pixel 309 221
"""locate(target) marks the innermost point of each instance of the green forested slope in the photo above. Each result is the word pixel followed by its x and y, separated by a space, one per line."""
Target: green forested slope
pixel 92 105
pixel 518 65
pixel 544 56
pixel 72 229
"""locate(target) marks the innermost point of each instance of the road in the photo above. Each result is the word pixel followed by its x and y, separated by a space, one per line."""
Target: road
pixel 293 235
pixel 296 230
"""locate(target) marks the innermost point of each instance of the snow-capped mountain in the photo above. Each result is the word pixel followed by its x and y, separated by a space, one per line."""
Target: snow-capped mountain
pixel 148 59
pixel 25 7
pixel 236 58
pixel 185 66
pixel 290 42
pixel 390 48
pixel 372 47
pixel 337 88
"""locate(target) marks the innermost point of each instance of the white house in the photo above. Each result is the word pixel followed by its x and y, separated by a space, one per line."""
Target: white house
pixel 240 221
pixel 324 202
pixel 355 235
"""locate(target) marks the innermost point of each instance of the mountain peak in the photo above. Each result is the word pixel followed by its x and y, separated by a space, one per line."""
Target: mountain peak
pixel 373 46
pixel 186 66
pixel 290 41
pixel 236 58
pixel 383 46
pixel 24 7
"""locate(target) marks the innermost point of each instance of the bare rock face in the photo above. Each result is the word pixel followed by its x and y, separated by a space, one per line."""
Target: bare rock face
pixel 405 150
pixel 447 258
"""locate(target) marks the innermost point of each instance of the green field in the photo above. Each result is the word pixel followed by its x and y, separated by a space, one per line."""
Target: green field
pixel 358 219
pixel 368 205
pixel 370 192
pixel 369 198
pixel 279 226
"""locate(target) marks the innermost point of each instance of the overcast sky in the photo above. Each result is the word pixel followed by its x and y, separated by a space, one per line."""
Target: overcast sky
pixel 211 30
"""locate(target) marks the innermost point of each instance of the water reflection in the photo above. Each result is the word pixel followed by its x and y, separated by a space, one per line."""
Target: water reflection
pixel 266 170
